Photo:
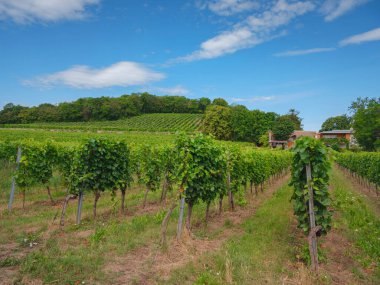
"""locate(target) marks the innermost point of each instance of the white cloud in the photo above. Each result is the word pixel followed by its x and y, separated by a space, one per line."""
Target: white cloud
pixel 253 99
pixel 230 7
pixel 176 90
pixel 124 73
pixel 373 35
pixel 26 11
pixel 333 9
pixel 252 31
pixel 303 52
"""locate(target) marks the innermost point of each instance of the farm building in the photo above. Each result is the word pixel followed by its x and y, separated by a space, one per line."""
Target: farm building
pixel 297 134
pixel 273 143
pixel 336 134
pixel 342 135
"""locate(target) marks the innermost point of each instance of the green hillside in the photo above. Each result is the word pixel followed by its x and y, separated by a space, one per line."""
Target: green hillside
pixel 147 122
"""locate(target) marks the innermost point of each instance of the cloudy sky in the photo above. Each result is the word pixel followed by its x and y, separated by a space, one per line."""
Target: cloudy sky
pixel 316 56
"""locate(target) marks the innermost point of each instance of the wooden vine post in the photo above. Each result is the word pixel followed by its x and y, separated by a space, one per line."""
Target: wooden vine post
pixel 312 235
pixel 12 195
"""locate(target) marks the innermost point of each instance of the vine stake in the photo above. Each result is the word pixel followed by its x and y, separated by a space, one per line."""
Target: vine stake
pixel 79 210
pixel 312 235
pixel 12 195
pixel 179 226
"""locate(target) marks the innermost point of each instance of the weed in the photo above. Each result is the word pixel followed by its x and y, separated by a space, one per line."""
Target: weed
pixel 10 261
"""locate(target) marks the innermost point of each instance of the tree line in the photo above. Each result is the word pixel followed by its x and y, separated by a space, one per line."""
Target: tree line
pixel 103 108
pixel 240 124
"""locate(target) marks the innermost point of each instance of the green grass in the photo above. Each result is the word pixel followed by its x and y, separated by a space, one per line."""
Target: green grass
pixel 258 256
pixel 359 221
pixel 147 122
pixel 79 253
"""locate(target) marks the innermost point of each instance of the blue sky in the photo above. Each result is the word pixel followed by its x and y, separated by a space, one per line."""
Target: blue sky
pixel 316 56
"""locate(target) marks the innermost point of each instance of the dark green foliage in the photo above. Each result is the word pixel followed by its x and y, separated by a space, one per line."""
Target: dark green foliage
pixel 293 115
pixel 366 122
pixel 8 150
pixel 283 128
pixel 217 122
pixel 342 122
pixel 151 167
pixel 364 164
pixel 202 169
pixel 237 123
pixel 64 161
pixel 169 165
pixel 336 143
pixel 308 150
pixel 236 168
pixel 220 102
pixel 240 123
pixel 36 164
pixel 100 165
pixel 103 108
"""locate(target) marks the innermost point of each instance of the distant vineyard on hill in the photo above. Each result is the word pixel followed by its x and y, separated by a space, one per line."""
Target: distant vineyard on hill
pixel 148 122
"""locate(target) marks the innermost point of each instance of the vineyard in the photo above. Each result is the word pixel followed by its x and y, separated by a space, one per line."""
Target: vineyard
pixel 143 123
pixel 364 166
pixel 110 207
pixel 101 165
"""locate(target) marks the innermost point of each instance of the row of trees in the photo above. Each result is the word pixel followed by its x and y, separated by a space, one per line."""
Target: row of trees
pixel 240 124
pixel 197 165
pixel 103 108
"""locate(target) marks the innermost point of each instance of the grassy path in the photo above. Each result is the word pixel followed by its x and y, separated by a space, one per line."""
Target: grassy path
pixel 271 250
pixel 257 244
pixel 359 223
pixel 258 256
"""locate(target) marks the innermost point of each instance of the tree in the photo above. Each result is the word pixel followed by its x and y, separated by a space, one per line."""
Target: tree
pixel 203 104
pixel 264 140
pixel 293 115
pixel 283 128
pixel 260 123
pixel 240 123
pixel 10 114
pixel 342 122
pixel 217 122
pixel 366 122
pixel 220 102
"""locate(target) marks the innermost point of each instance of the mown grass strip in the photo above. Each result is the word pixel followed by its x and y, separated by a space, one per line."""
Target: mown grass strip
pixel 360 222
pixel 259 256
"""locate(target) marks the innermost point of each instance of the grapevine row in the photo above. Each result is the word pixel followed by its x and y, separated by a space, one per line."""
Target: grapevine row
pixel 196 166
pixel 365 166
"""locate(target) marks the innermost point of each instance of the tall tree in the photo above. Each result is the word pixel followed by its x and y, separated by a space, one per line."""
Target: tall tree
pixel 293 115
pixel 240 123
pixel 342 122
pixel 366 122
pixel 220 102
pixel 283 128
pixel 217 122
